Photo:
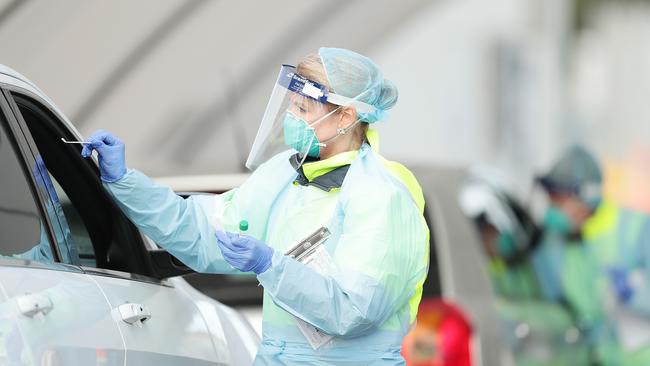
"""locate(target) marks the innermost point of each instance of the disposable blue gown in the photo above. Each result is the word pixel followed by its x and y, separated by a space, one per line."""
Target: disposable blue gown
pixel 379 246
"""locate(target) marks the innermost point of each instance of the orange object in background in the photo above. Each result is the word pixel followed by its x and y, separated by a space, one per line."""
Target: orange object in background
pixel 442 336
pixel 627 180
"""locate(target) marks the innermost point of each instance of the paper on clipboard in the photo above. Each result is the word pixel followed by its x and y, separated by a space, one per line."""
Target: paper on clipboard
pixel 312 253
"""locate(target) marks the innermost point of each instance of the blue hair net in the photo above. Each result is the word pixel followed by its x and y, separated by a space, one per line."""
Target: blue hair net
pixel 577 171
pixel 356 76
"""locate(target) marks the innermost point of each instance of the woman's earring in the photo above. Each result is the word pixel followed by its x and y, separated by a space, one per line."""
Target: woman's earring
pixel 340 131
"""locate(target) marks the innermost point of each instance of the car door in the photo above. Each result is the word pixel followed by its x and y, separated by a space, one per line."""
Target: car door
pixel 50 313
pixel 160 323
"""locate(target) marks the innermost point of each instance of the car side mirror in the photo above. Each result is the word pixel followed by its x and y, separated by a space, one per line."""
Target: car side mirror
pixel 166 265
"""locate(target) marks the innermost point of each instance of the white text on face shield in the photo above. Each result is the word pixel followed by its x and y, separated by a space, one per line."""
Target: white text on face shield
pixel 312 91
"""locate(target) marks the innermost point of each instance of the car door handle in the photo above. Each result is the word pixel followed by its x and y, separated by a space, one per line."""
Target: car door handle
pixel 134 314
pixel 32 305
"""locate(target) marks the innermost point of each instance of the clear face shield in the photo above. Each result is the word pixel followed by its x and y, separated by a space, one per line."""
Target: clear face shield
pixel 296 107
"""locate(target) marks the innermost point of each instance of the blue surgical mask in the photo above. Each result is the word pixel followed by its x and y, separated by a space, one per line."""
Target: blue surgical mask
pixel 298 135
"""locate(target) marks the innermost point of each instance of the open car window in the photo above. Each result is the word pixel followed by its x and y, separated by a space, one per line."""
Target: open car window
pixel 103 237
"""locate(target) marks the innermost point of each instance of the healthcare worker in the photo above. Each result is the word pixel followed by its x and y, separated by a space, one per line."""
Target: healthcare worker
pixel 620 237
pixel 509 235
pixel 568 270
pixel 316 164
pixel 506 233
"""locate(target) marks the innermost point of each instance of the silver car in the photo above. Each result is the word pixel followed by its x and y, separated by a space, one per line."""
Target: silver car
pixel 79 284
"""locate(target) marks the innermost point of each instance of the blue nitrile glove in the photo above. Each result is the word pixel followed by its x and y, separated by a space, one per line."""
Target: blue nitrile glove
pixel 110 149
pixel 244 252
pixel 618 278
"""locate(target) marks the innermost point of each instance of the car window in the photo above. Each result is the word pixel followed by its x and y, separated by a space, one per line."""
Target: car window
pixel 78 230
pixel 22 232
pixel 102 236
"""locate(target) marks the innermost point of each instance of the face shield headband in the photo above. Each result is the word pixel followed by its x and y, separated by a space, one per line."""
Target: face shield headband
pixel 296 105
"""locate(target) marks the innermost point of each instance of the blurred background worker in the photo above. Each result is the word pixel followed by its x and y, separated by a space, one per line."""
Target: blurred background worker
pixel 620 237
pixel 538 332
pixel 507 233
pixel 567 268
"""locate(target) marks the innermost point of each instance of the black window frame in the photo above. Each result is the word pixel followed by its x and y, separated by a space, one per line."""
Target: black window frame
pixel 13 96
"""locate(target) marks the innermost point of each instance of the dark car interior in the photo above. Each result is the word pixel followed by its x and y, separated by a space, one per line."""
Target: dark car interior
pixel 104 237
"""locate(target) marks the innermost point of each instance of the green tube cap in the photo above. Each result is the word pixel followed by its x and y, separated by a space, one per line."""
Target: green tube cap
pixel 243 225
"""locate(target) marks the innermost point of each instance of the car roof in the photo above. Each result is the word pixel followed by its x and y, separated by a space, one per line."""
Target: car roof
pixel 14 80
pixel 212 183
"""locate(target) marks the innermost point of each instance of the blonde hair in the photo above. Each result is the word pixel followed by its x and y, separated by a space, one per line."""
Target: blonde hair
pixel 311 67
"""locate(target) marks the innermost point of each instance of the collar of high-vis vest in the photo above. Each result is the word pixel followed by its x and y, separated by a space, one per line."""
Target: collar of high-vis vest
pixel 329 173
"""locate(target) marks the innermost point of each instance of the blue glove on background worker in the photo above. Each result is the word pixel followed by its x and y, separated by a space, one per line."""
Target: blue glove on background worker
pixel 621 285
pixel 243 252
pixel 110 150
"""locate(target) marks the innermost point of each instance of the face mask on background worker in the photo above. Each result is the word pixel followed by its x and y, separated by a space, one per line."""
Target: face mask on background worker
pixel 574 186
